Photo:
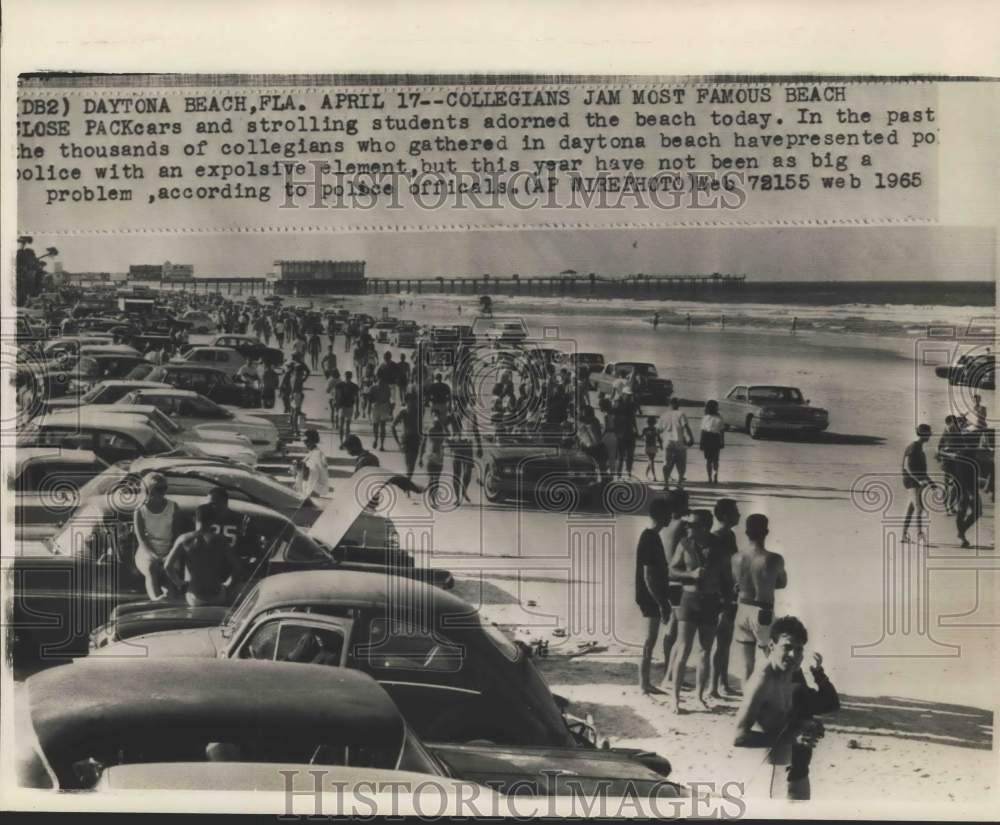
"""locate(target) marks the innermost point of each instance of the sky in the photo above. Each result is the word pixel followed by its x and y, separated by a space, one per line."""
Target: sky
pixel 845 253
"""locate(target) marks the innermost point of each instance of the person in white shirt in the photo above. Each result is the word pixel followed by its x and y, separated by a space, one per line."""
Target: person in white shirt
pixel 315 477
pixel 712 439
pixel 676 434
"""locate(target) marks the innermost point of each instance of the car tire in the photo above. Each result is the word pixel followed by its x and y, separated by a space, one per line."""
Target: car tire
pixel 491 485
pixel 753 426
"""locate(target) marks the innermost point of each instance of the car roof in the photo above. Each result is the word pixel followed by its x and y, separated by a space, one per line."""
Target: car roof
pixel 188 503
pixel 181 365
pixel 359 589
pixel 101 700
pixel 214 349
pixel 95 415
pixel 31 454
pixel 135 383
pixel 166 389
pixel 109 351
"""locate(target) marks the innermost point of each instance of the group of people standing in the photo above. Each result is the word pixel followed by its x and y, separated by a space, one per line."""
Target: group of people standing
pixel 699 587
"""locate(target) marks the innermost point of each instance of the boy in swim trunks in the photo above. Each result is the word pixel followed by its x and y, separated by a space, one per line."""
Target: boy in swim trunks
pixel 758 573
pixel 778 708
pixel 651 587
pixel 697 563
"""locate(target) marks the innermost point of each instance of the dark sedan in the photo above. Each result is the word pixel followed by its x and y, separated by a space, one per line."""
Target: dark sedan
pixel 762 409
pixel 551 471
pixel 212 383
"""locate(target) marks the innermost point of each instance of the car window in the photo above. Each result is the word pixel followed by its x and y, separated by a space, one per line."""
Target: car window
pixel 739 394
pixel 397 645
pixel 309 645
pixel 118 445
pixel 262 642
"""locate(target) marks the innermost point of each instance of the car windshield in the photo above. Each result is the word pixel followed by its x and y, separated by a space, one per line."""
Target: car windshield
pixel 775 395
pixel 207 408
pixel 500 640
pixel 91 395
pixel 241 611
pixel 642 369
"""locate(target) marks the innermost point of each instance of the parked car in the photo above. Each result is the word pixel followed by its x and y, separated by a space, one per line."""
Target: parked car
pixel 404 335
pixel 649 388
pixel 593 361
pixel 127 435
pixel 197 476
pixel 243 725
pixel 225 359
pixel 103 392
pixel 201 322
pixel 252 349
pixel 106 724
pixel 761 409
pixel 71 344
pixel 219 443
pixel 971 370
pixel 69 585
pixel 208 381
pixel 193 411
pixel 455 676
pixel 47 485
pixel 537 467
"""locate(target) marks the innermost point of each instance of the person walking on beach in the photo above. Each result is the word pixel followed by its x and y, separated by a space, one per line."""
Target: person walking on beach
pixel 314 474
pixel 380 399
pixel 315 348
pixel 347 400
pixel 652 443
pixel 656 320
pixel 329 364
pixel 625 411
pixel 651 588
pixel 268 386
pixel 947 451
pixel 727 514
pixel 676 432
pixel 712 439
pixel 411 419
pixel 965 475
pixel 758 573
pixel 279 332
pixel 915 479
pixel 436 436
pixel 779 702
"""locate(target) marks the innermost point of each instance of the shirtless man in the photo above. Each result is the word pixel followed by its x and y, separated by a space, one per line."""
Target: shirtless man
pixel 758 573
pixel 697 563
pixel 778 706
pixel 204 559
pixel 675 530
pixel 727 514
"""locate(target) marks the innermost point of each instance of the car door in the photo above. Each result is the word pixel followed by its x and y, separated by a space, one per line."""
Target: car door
pixel 434 681
pixel 733 408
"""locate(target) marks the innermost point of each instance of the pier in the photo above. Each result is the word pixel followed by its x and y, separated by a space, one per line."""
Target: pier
pixel 575 285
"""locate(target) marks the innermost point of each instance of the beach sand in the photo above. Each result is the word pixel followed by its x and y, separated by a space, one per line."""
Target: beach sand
pixel 914 658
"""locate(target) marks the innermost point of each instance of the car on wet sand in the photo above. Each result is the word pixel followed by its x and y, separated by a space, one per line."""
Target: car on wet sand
pixel 762 409
pixel 646 383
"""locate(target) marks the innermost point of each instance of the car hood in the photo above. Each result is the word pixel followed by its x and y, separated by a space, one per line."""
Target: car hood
pixel 198 642
pixel 551 770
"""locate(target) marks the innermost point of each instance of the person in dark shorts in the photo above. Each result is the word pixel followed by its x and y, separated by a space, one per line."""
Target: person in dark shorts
pixel 652 442
pixel 712 439
pixel 204 560
pixel 727 514
pixel 651 584
pixel 696 563
pixel 915 479
pixel 411 417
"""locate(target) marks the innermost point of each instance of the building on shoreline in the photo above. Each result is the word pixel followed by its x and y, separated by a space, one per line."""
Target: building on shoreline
pixel 321 278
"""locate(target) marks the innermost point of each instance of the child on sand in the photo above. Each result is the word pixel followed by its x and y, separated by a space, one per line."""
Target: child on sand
pixel 651 438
